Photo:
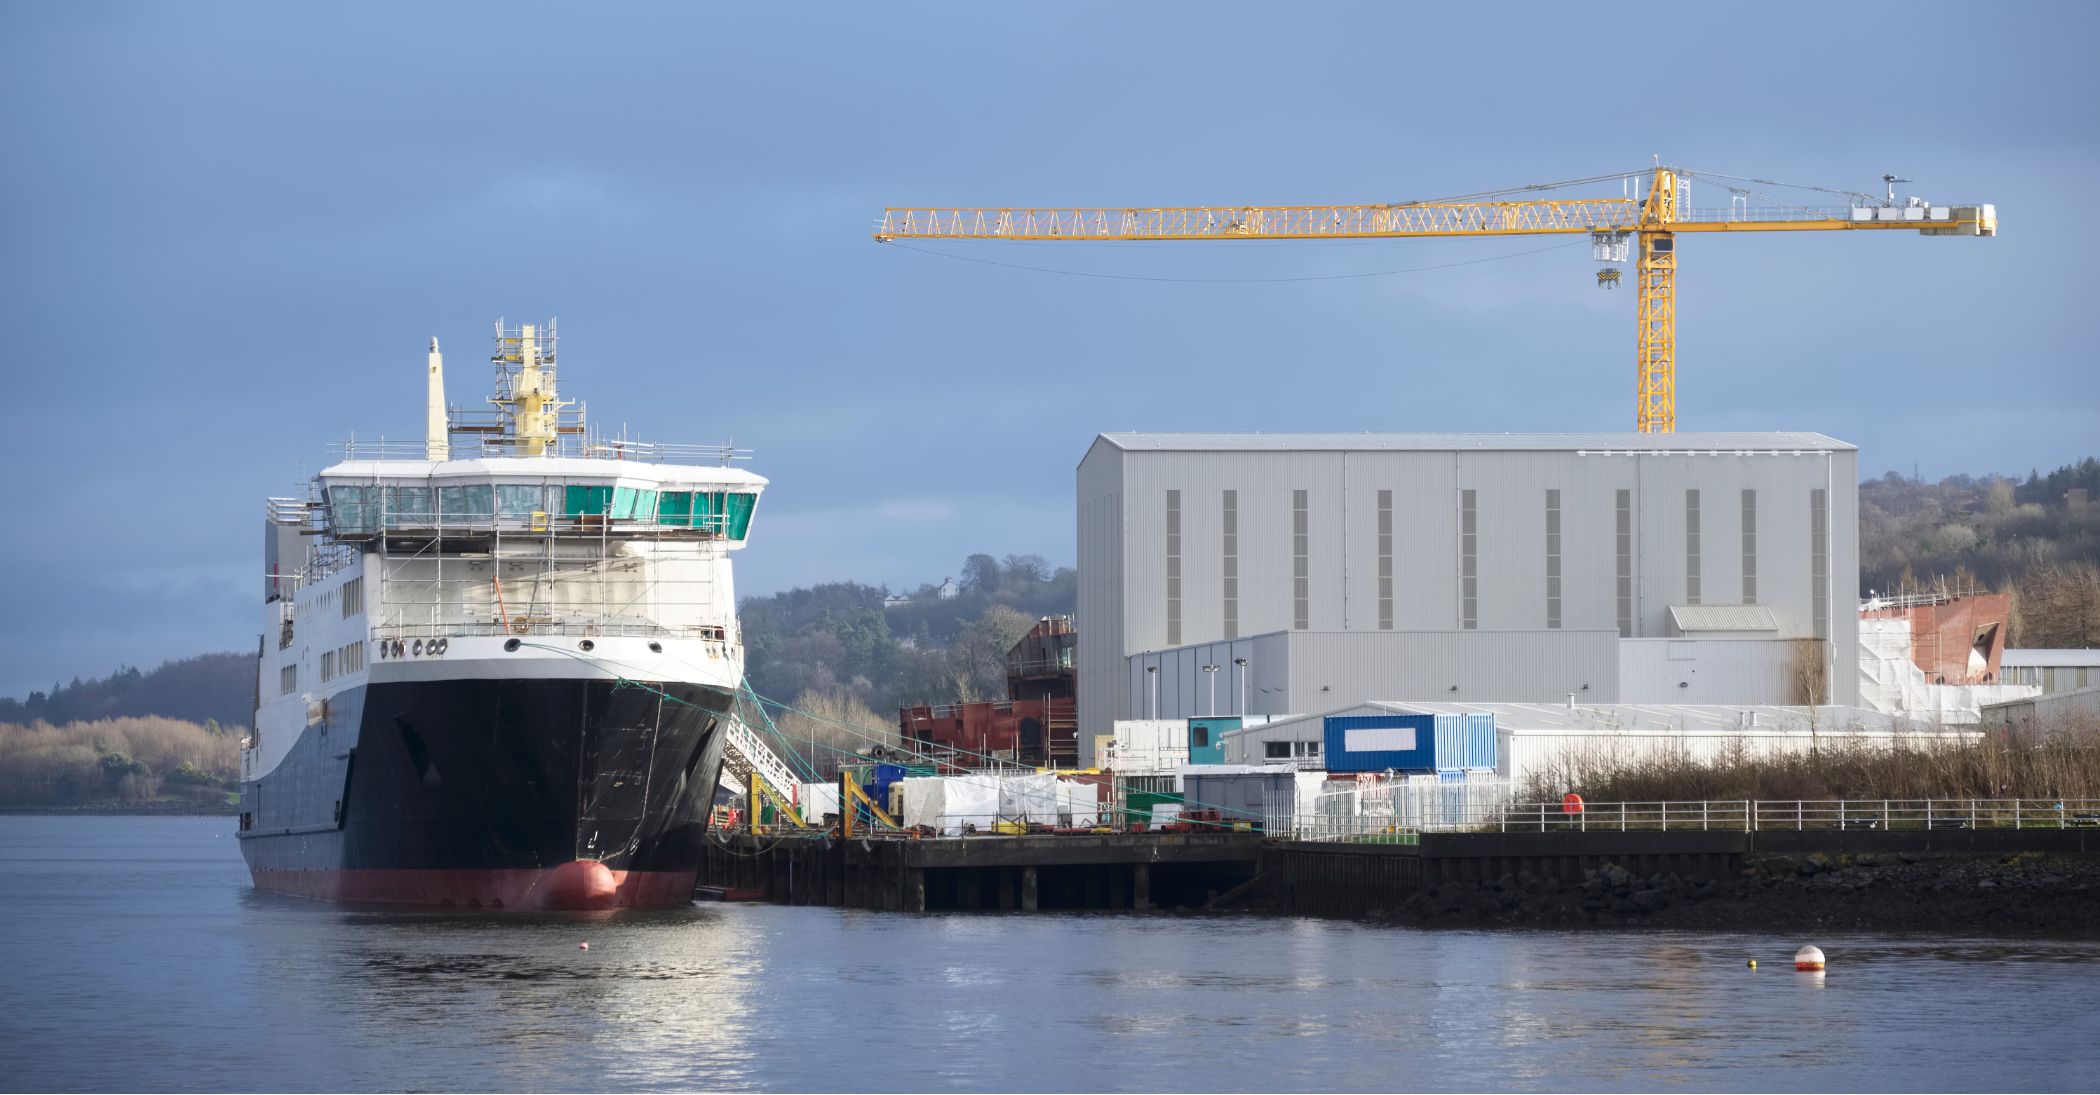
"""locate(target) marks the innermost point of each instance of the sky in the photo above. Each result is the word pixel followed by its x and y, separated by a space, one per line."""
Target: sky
pixel 230 231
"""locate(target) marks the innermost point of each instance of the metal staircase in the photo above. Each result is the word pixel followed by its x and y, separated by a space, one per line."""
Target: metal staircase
pixel 743 752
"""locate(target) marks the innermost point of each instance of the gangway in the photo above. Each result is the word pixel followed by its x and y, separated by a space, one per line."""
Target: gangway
pixel 744 753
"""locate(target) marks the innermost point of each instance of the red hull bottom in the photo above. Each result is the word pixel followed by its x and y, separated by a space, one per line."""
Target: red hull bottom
pixel 582 884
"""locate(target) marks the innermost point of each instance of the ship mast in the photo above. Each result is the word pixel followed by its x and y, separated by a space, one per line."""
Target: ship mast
pixel 530 397
pixel 437 437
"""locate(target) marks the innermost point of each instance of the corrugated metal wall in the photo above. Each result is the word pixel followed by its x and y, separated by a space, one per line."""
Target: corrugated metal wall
pixel 1331 670
pixel 1698 671
pixel 1123 549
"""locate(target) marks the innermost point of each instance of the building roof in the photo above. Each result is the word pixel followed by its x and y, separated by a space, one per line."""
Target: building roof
pixel 2036 656
pixel 1601 443
pixel 1724 618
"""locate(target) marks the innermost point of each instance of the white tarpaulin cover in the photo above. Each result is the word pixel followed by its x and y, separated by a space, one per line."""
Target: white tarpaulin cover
pixel 1030 798
pixel 971 799
pixel 1082 803
pixel 925 801
pixel 1890 682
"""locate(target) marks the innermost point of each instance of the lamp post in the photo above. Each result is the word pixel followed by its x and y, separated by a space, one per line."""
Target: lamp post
pixel 1242 663
pixel 1212 672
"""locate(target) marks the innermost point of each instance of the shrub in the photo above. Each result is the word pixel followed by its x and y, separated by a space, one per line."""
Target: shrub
pixel 111 759
pixel 2061 763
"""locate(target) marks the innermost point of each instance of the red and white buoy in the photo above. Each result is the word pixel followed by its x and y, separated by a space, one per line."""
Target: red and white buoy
pixel 587 946
pixel 1808 958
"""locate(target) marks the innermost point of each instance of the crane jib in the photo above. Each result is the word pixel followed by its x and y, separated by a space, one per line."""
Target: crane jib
pixel 1656 217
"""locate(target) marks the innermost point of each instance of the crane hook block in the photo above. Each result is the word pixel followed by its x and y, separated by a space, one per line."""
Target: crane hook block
pixel 1608 278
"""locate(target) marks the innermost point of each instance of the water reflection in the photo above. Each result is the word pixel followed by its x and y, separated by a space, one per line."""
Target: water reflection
pixel 254 991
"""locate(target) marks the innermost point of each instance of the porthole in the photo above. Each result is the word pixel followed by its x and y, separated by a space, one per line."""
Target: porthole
pixel 417 649
pixel 656 648
pixel 586 646
pixel 511 645
pixel 444 645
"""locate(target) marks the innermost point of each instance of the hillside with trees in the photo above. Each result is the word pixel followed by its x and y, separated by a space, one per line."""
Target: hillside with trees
pixel 836 645
pixel 2038 540
pixel 214 689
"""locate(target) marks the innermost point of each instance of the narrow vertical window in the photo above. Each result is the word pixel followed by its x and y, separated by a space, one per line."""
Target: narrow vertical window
pixel 1553 559
pixel 1691 547
pixel 1468 561
pixel 1819 560
pixel 1232 564
pixel 1173 568
pixel 1301 562
pixel 353 597
pixel 1385 560
pixel 1625 532
pixel 1749 547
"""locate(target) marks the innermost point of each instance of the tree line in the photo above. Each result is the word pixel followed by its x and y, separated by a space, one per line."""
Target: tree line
pixel 2034 539
pixel 217 690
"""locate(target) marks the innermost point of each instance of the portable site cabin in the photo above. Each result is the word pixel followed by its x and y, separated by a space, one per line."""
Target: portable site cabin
pixel 1372 738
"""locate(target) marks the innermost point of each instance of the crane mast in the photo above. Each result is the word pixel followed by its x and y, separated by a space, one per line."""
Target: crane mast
pixel 1651 225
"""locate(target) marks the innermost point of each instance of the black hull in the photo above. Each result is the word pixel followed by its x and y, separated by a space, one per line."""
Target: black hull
pixel 450 781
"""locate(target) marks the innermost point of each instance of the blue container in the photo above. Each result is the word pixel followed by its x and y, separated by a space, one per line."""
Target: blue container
pixel 1409 743
pixel 1465 741
pixel 1207 739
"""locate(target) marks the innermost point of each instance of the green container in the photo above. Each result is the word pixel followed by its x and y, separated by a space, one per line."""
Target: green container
pixel 1140 803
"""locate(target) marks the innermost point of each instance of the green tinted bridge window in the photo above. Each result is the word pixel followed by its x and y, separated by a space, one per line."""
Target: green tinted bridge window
pixel 588 500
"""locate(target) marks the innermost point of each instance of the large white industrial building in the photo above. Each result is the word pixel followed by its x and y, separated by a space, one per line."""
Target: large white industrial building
pixel 1730 545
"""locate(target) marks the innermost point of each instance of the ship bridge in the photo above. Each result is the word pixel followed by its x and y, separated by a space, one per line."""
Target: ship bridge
pixel 518 519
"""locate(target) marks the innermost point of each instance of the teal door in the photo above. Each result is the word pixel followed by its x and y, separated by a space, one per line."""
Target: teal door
pixel 1206 739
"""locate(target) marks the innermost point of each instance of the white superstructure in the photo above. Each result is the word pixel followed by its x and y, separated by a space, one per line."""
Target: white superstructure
pixel 509 544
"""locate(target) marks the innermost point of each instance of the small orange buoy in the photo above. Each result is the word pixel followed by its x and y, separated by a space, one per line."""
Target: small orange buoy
pixel 1753 963
pixel 587 946
pixel 1808 958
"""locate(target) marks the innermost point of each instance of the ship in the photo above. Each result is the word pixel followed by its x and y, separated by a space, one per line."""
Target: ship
pixel 499 666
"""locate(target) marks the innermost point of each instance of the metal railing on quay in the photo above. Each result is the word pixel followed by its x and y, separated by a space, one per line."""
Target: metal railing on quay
pixel 1737 815
pixel 1339 829
pixel 1944 813
pixel 1532 817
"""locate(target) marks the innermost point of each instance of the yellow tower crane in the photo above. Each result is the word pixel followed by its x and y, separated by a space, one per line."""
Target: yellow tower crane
pixel 1650 224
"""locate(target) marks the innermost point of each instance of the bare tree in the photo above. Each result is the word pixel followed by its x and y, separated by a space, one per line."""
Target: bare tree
pixel 2058 605
pixel 828 727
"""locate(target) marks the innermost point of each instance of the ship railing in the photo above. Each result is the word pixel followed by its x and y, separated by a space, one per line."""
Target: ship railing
pixel 567 445
pixel 344 525
pixel 538 627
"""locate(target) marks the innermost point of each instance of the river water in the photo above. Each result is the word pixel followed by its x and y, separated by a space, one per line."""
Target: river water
pixel 139 958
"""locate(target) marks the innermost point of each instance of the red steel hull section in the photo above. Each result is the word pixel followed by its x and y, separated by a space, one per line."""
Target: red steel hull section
pixel 582 884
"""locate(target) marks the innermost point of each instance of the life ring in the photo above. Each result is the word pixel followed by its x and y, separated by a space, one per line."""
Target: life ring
pixel 521 627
